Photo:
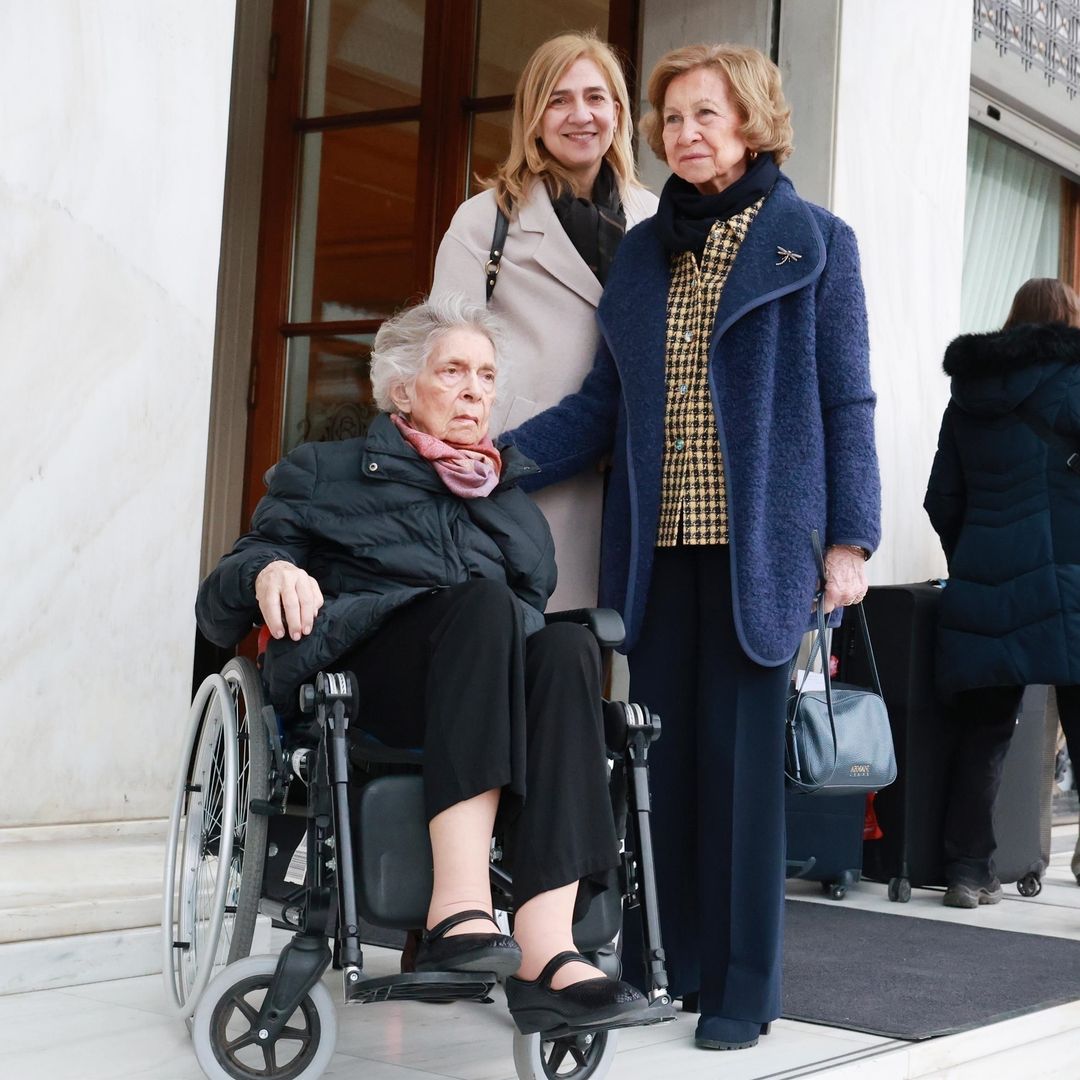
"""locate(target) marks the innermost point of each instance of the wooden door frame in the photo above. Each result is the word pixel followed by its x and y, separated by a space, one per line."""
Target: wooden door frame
pixel 444 112
pixel 1070 233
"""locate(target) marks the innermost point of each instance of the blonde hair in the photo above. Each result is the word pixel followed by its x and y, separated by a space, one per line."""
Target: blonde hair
pixel 529 158
pixel 753 81
pixel 1044 300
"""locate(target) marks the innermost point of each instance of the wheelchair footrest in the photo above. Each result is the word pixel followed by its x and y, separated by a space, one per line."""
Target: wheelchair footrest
pixel 657 1013
pixel 431 986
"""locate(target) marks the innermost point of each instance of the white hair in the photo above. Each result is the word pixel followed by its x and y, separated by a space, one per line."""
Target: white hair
pixel 404 343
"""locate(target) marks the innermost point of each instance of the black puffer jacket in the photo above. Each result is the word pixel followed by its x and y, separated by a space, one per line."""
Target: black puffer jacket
pixel 1007 510
pixel 372 522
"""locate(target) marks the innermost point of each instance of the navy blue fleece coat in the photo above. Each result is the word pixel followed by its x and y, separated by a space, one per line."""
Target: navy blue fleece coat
pixel 1007 510
pixel 790 384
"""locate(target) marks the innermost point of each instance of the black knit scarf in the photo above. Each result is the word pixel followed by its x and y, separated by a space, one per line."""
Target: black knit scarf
pixel 595 226
pixel 685 217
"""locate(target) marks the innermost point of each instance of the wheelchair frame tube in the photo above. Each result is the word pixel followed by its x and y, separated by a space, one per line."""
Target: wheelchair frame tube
pixel 338 754
pixel 307 955
pixel 643 730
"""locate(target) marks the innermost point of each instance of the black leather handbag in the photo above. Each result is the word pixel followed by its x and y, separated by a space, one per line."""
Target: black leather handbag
pixel 839 741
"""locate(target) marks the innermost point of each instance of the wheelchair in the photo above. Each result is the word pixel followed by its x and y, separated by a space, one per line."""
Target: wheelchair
pixel 319 825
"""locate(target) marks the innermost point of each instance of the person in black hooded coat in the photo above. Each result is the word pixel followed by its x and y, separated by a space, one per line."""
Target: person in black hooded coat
pixel 1005 500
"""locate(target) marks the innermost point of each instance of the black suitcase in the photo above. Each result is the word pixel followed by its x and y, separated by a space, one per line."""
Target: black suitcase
pixel 1024 809
pixel 911 812
pixel 825 839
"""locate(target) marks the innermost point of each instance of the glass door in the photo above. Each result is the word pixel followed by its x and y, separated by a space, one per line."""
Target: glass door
pixel 382 114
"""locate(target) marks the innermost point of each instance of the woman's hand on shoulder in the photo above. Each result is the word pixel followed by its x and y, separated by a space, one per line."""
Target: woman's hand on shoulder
pixel 289 599
pixel 845 577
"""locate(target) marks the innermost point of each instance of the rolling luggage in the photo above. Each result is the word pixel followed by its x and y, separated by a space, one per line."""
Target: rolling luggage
pixel 1024 809
pixel 825 839
pixel 911 812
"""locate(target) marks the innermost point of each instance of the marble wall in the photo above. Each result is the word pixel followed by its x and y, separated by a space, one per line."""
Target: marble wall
pixel 114 132
pixel 880 108
pixel 670 24
pixel 899 178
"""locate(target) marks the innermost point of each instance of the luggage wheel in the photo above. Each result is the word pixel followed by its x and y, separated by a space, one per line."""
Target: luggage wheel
pixel 899 890
pixel 1029 885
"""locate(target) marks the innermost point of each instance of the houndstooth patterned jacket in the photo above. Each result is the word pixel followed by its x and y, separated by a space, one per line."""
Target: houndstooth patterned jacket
pixel 693 496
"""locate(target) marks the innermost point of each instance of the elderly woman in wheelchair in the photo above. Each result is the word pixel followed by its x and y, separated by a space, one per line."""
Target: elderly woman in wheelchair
pixel 411 558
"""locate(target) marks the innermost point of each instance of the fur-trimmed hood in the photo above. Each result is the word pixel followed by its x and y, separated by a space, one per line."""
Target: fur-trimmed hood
pixel 993 372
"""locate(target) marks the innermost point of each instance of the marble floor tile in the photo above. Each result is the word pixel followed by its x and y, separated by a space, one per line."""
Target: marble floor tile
pixel 145 994
pixel 82 1040
pixel 47 1019
pixel 123 1030
pixel 787 1046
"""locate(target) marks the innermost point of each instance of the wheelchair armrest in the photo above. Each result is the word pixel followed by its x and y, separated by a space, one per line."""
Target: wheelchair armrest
pixel 605 623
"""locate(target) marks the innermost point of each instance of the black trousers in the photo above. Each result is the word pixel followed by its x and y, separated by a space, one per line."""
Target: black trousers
pixel 987 717
pixel 453 672
pixel 717 779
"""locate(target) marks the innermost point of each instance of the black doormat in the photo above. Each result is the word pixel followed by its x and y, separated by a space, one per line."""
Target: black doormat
pixel 911 978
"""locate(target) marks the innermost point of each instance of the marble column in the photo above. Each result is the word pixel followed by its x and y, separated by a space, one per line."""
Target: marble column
pixel 114 131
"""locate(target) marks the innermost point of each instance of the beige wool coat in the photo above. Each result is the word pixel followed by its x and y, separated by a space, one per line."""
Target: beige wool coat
pixel 546 296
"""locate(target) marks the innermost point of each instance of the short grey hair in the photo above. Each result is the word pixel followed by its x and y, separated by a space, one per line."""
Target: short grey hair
pixel 404 343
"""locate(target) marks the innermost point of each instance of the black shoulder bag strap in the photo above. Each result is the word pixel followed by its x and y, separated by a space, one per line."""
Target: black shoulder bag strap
pixel 1049 436
pixel 498 243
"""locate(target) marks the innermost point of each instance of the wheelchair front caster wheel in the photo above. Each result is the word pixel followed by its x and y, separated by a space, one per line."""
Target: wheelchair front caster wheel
pixel 226 1042
pixel 1029 885
pixel 899 890
pixel 834 890
pixel 589 1055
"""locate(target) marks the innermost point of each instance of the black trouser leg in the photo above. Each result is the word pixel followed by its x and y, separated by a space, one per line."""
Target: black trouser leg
pixel 1068 702
pixel 453 672
pixel 662 677
pixel 987 716
pixel 446 672
pixel 741 839
pixel 718 790
pixel 565 831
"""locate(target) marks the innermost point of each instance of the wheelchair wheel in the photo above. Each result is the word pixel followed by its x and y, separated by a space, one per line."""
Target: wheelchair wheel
pixel 224 1036
pixel 215 856
pixel 249 830
pixel 578 1057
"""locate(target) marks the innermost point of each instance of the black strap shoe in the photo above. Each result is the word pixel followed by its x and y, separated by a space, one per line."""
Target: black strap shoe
pixel 592 1005
pixel 497 953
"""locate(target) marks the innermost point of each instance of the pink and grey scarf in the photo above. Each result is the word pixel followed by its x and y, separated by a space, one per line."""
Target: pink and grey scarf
pixel 467 471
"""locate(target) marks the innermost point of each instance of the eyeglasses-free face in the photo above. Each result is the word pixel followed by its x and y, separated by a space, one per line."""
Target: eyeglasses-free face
pixel 701 128
pixel 579 121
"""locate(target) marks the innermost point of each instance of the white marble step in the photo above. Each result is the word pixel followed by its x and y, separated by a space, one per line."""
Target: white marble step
pixel 79 903
pixel 78 959
pixel 63 880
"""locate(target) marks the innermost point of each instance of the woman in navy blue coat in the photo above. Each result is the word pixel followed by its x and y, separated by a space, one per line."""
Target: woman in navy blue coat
pixel 731 389
pixel 1006 504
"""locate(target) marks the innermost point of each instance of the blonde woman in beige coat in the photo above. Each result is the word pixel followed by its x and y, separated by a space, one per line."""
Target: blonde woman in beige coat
pixel 569 190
